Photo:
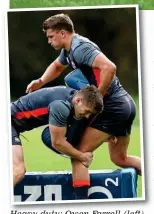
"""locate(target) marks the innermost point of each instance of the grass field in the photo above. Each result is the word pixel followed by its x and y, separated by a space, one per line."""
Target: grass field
pixel 149 4
pixel 40 158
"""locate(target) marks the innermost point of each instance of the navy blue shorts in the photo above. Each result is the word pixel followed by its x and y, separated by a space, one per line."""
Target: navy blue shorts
pixel 15 137
pixel 117 116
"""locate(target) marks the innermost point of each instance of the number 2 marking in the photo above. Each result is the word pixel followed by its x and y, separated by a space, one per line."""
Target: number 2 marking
pixel 116 182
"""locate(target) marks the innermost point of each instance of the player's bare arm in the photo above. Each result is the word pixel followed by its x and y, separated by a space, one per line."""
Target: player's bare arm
pixel 107 73
pixel 59 143
pixel 52 72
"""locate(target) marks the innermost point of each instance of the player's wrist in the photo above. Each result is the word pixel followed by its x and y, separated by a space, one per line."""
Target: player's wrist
pixel 41 81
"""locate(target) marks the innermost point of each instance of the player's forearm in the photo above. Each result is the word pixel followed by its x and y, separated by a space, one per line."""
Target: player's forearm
pixel 51 73
pixel 106 77
pixel 66 148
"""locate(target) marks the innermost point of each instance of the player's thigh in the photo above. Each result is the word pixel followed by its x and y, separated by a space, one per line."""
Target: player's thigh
pixel 17 156
pixel 92 139
pixel 119 149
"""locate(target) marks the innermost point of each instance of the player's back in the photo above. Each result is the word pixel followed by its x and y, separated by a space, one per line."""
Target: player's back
pixel 31 111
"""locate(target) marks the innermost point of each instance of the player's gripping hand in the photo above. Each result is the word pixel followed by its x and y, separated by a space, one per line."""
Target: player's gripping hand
pixel 34 85
pixel 86 159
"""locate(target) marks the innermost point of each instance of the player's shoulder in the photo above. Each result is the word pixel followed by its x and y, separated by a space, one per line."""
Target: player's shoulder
pixel 79 42
pixel 59 112
pixel 60 107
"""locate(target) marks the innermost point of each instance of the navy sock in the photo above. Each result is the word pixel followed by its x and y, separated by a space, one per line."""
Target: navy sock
pixel 81 192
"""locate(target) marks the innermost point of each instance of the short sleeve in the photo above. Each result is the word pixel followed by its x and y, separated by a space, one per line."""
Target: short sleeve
pixel 85 54
pixel 62 58
pixel 59 112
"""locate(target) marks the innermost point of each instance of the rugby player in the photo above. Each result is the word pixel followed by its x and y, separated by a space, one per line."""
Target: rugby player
pixel 62 108
pixel 119 108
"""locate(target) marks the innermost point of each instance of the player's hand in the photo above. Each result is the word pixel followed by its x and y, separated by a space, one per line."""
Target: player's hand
pixel 86 159
pixel 34 85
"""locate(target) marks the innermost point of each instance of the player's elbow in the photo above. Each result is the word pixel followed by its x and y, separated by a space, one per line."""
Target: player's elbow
pixel 114 68
pixel 111 67
pixel 58 67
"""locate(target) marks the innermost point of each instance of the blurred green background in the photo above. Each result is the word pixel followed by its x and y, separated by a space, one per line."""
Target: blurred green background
pixel 113 30
pixel 149 4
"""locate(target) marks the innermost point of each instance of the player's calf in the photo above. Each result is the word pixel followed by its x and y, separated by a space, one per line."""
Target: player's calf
pixel 81 180
pixel 18 173
pixel 18 163
pixel 119 156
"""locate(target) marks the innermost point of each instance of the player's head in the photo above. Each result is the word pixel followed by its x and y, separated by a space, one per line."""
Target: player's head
pixel 87 101
pixel 57 28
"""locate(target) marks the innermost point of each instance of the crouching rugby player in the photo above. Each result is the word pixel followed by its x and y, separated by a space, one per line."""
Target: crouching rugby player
pixel 60 107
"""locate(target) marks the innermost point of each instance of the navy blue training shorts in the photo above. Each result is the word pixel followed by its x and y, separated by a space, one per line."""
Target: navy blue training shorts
pixel 117 116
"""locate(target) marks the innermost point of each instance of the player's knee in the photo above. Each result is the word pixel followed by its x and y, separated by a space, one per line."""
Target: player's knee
pixel 83 148
pixel 118 159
